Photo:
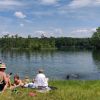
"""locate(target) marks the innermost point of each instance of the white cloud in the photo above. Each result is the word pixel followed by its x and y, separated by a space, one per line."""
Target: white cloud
pixel 79 3
pixel 82 32
pixel 40 33
pixel 42 13
pixel 48 2
pixel 97 2
pixel 19 14
pixel 70 10
pixel 75 4
pixel 55 32
pixel 9 3
pixel 22 25
pixel 58 32
pixel 6 33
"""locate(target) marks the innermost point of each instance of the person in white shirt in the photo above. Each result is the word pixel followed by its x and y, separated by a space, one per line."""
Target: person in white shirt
pixel 41 81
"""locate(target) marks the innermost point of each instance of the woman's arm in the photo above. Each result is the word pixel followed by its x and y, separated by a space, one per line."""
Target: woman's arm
pixel 6 82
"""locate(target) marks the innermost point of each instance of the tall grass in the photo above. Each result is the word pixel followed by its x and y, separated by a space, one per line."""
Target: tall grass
pixel 67 90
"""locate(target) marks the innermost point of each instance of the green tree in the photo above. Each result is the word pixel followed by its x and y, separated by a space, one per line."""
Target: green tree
pixel 96 38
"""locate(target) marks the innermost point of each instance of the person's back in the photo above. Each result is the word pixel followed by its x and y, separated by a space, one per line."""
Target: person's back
pixel 41 80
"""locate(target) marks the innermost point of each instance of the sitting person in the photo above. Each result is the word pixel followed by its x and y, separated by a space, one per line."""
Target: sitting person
pixel 4 79
pixel 39 82
pixel 17 82
pixel 26 80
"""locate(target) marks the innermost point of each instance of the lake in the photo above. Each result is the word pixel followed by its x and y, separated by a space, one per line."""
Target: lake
pixel 57 64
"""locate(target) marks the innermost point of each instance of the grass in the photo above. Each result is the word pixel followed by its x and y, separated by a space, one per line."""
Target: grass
pixel 67 90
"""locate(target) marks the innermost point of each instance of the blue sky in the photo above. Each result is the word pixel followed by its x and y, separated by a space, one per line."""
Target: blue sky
pixel 70 18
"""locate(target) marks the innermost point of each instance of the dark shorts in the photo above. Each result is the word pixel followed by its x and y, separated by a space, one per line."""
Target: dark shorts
pixel 2 86
pixel 41 87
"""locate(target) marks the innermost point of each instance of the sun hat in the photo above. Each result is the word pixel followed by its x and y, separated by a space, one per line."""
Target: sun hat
pixel 2 65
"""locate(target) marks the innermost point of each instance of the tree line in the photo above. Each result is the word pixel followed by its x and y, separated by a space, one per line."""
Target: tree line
pixel 17 42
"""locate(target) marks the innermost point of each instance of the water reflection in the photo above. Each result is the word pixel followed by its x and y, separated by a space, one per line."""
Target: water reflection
pixel 57 64
pixel 25 62
pixel 27 53
pixel 96 58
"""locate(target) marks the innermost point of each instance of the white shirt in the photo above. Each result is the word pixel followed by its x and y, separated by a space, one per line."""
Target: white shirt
pixel 41 80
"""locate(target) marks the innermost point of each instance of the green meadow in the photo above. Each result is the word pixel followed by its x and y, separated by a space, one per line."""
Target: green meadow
pixel 67 90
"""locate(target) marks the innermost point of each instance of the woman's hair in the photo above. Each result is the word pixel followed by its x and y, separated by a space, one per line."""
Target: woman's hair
pixel 16 76
pixel 40 70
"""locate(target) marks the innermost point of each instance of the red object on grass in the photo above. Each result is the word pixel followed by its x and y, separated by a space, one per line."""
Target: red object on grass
pixel 32 94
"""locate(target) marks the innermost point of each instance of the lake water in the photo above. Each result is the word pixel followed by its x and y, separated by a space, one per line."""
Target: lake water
pixel 57 64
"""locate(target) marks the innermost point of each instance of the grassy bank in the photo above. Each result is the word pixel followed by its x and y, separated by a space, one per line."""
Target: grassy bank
pixel 67 90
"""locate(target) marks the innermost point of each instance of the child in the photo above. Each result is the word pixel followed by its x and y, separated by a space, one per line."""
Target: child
pixel 26 80
pixel 17 82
